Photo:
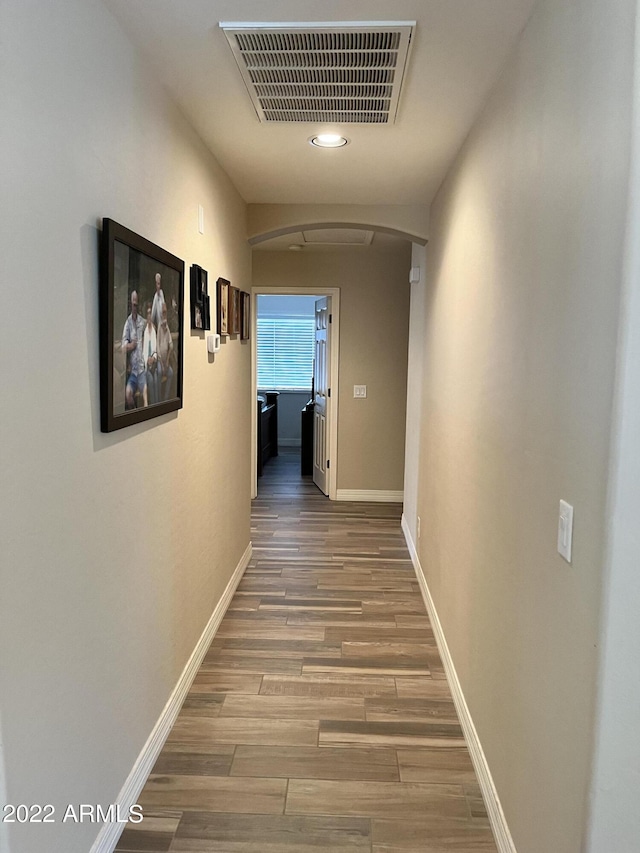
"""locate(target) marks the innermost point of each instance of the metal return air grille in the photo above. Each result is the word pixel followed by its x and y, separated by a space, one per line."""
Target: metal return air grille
pixel 322 73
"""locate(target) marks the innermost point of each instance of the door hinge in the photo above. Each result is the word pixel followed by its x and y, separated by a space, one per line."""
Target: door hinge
pixel 331 318
pixel 328 392
pixel 328 463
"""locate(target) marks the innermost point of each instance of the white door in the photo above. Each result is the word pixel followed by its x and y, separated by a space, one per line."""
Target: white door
pixel 322 394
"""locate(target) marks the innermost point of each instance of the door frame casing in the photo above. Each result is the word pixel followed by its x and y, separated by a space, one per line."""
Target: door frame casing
pixel 334 346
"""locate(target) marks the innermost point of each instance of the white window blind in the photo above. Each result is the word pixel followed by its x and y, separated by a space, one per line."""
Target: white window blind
pixel 285 352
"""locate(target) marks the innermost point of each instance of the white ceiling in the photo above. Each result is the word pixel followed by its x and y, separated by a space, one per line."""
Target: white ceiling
pixel 457 53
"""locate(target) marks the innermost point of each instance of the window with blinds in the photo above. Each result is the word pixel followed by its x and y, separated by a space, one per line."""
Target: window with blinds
pixel 285 352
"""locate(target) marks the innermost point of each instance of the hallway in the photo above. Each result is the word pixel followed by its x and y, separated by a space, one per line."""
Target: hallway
pixel 320 718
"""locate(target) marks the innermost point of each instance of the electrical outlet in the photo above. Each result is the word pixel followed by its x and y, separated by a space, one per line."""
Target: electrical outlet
pixel 565 530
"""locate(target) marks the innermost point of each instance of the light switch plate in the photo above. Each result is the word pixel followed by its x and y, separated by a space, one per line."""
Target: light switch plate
pixel 360 391
pixel 565 530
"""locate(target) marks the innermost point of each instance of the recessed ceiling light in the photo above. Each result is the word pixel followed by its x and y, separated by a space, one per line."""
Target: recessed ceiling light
pixel 328 140
pixel 296 247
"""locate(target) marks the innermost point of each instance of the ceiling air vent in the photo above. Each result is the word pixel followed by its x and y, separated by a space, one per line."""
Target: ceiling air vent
pixel 320 72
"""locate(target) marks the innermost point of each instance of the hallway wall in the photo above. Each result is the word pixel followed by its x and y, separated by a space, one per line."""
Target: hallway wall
pixel 374 329
pixel 615 818
pixel 520 356
pixel 115 548
pixel 414 390
pixel 271 219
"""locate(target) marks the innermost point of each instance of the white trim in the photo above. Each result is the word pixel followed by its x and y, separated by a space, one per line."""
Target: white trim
pixel 260 25
pixel 371 495
pixel 334 293
pixel 110 832
pixel 503 839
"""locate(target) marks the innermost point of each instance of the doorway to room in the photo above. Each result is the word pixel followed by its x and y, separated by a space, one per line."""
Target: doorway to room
pixel 294 384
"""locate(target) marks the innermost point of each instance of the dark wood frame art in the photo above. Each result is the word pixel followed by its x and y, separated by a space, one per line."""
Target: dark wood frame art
pixel 234 311
pixel 223 287
pixel 245 316
pixel 149 257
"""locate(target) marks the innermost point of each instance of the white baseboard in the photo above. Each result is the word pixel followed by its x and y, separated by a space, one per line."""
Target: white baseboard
pixel 371 495
pixel 504 841
pixel 110 832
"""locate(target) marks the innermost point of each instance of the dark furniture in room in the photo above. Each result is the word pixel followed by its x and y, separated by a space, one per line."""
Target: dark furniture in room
pixel 306 433
pixel 267 427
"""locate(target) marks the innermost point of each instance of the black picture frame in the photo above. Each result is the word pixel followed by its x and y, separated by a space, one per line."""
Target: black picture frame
pixel 200 313
pixel 132 264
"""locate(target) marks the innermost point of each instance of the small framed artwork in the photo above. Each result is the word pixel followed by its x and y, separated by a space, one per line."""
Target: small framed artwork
pixel 234 311
pixel 245 316
pixel 199 299
pixel 223 287
pixel 141 328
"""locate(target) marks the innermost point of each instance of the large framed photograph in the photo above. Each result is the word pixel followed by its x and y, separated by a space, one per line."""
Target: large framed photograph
pixel 223 306
pixel 141 328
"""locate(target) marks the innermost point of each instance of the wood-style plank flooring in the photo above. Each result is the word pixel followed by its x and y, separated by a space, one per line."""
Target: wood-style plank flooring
pixel 320 719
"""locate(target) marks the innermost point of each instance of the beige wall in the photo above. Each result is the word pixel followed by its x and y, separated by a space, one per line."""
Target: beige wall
pixel 615 817
pixel 415 383
pixel 270 220
pixel 521 332
pixel 374 321
pixel 115 548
